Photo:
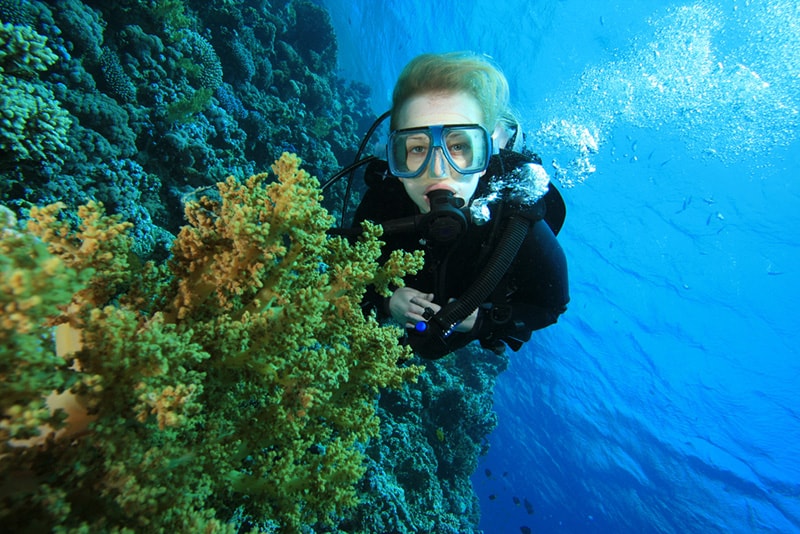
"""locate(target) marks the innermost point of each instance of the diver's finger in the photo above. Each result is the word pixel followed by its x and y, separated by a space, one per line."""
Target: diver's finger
pixel 418 294
pixel 422 305
pixel 422 298
pixel 415 317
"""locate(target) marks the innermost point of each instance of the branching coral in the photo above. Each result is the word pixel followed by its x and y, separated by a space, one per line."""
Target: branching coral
pixel 34 284
pixel 239 377
pixel 33 127
pixel 23 52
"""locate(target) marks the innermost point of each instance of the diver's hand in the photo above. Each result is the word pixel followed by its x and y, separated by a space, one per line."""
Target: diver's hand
pixel 408 305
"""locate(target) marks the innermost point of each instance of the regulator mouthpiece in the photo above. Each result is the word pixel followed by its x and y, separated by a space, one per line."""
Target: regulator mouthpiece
pixel 445 222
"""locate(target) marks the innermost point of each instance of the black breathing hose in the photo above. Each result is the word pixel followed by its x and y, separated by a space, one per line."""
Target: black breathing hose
pixel 455 312
pixel 357 162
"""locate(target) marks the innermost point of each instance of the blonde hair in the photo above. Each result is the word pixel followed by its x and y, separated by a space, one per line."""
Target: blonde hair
pixel 454 72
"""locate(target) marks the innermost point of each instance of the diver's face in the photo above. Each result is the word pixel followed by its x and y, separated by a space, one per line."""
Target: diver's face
pixel 439 108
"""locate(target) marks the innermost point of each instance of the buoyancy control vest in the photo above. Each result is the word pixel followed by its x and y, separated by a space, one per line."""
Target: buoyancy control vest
pixel 386 203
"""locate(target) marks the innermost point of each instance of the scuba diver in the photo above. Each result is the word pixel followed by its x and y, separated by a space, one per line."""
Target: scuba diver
pixel 485 216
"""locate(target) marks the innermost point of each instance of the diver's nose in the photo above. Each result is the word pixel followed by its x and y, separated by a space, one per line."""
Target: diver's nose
pixel 438 167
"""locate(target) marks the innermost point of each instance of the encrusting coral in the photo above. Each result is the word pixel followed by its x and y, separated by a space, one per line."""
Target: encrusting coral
pixel 229 388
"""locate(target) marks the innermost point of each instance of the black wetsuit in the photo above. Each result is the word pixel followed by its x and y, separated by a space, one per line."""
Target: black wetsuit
pixel 532 293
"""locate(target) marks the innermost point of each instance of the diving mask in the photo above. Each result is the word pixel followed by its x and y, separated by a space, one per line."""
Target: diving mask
pixel 466 147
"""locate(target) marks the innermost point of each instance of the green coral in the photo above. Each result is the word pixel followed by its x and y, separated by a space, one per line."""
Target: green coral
pixel 34 283
pixel 15 12
pixel 184 109
pixel 172 13
pixel 33 126
pixel 237 380
pixel 23 52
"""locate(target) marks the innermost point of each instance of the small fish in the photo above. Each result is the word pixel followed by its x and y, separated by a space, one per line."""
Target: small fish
pixel 686 202
pixel 492 497
pixel 505 474
pixel 517 501
pixel 717 215
pixel 528 507
pixel 488 472
pixel 525 530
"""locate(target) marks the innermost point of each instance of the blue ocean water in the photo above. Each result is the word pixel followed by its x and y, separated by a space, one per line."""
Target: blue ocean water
pixel 666 399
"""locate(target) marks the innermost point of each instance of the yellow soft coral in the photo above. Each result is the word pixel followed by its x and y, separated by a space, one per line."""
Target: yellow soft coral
pixel 99 246
pixel 241 375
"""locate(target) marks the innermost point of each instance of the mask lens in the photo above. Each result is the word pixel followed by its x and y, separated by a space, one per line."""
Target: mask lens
pixel 466 148
pixel 411 150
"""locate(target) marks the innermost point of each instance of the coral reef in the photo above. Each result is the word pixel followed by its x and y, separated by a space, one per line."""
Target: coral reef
pixel 432 433
pixel 240 377
pixel 183 90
